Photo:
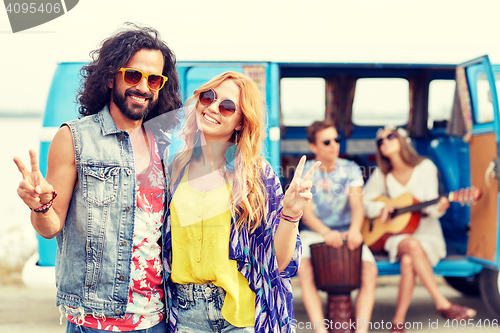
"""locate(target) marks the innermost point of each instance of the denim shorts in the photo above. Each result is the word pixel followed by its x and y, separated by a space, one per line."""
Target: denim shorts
pixel 161 327
pixel 200 310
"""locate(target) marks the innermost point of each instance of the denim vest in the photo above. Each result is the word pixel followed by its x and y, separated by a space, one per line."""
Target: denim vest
pixel 94 248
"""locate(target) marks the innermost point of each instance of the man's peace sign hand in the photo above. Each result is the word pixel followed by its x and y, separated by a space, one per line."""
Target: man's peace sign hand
pixel 33 189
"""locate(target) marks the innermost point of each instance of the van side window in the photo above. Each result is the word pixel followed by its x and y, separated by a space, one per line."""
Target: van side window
pixel 302 100
pixel 441 94
pixel 381 101
pixel 484 112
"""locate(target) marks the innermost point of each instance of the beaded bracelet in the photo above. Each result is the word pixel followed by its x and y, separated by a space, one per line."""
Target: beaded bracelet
pixel 291 219
pixel 45 207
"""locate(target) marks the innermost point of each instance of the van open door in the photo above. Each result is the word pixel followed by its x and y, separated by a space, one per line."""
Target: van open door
pixel 266 76
pixel 476 82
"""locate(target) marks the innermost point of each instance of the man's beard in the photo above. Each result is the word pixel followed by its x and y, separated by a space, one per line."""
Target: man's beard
pixel 134 113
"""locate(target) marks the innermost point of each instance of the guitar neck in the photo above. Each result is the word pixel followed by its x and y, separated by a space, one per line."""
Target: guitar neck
pixel 413 208
pixel 464 195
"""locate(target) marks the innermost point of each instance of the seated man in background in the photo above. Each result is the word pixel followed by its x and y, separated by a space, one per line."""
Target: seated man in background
pixel 335 213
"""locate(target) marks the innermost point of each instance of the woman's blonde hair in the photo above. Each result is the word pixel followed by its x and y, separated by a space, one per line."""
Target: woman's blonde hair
pixel 407 153
pixel 247 187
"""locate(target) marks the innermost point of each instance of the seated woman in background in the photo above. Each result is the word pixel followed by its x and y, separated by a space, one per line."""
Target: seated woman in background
pixel 402 170
pixel 231 237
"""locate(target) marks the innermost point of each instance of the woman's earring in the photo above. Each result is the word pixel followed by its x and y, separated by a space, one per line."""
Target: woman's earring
pixel 231 154
pixel 197 146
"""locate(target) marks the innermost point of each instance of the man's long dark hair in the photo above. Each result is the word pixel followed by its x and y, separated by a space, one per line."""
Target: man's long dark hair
pixel 114 53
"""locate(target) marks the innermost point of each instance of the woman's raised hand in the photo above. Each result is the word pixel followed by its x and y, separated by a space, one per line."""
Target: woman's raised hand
pixel 299 192
pixel 34 190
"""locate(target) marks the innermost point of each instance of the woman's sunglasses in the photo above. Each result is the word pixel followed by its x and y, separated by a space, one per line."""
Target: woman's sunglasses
pixel 133 77
pixel 226 107
pixel 327 142
pixel 390 136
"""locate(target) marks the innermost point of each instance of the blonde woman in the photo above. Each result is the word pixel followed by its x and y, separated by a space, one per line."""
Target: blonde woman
pixel 402 170
pixel 231 242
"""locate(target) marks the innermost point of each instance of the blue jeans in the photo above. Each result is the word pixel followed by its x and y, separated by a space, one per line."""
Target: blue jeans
pixel 200 310
pixel 161 327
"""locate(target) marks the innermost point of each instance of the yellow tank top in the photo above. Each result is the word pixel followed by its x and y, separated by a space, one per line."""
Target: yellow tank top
pixel 201 225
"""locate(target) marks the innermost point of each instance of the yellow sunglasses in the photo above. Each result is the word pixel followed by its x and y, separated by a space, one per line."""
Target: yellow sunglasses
pixel 133 77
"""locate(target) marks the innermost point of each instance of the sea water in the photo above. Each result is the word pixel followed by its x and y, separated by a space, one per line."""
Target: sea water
pixel 17 236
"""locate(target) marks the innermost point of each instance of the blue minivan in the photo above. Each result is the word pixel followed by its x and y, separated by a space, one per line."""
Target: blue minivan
pixel 450 111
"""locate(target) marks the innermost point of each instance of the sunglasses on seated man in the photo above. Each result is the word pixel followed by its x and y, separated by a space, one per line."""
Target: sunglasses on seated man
pixel 327 142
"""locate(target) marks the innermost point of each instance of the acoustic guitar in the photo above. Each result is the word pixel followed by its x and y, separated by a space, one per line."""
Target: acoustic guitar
pixel 406 217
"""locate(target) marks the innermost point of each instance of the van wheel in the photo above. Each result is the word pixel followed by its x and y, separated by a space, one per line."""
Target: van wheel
pixel 489 284
pixel 469 286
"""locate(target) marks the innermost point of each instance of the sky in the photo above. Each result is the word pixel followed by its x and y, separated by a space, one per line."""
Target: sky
pixel 390 31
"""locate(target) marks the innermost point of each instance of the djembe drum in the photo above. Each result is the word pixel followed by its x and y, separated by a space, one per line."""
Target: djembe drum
pixel 338 272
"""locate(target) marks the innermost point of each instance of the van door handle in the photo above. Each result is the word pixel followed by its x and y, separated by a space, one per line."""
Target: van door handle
pixel 491 171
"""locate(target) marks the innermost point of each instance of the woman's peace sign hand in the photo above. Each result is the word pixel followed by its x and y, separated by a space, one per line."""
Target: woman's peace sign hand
pixel 299 192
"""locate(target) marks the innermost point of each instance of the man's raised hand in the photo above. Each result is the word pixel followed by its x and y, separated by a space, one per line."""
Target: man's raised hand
pixel 33 188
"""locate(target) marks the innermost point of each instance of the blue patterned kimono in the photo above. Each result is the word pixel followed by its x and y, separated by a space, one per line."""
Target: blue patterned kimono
pixel 256 259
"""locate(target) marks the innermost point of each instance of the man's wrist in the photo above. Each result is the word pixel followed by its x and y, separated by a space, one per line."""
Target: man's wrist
pixel 326 232
pixel 352 229
pixel 46 206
